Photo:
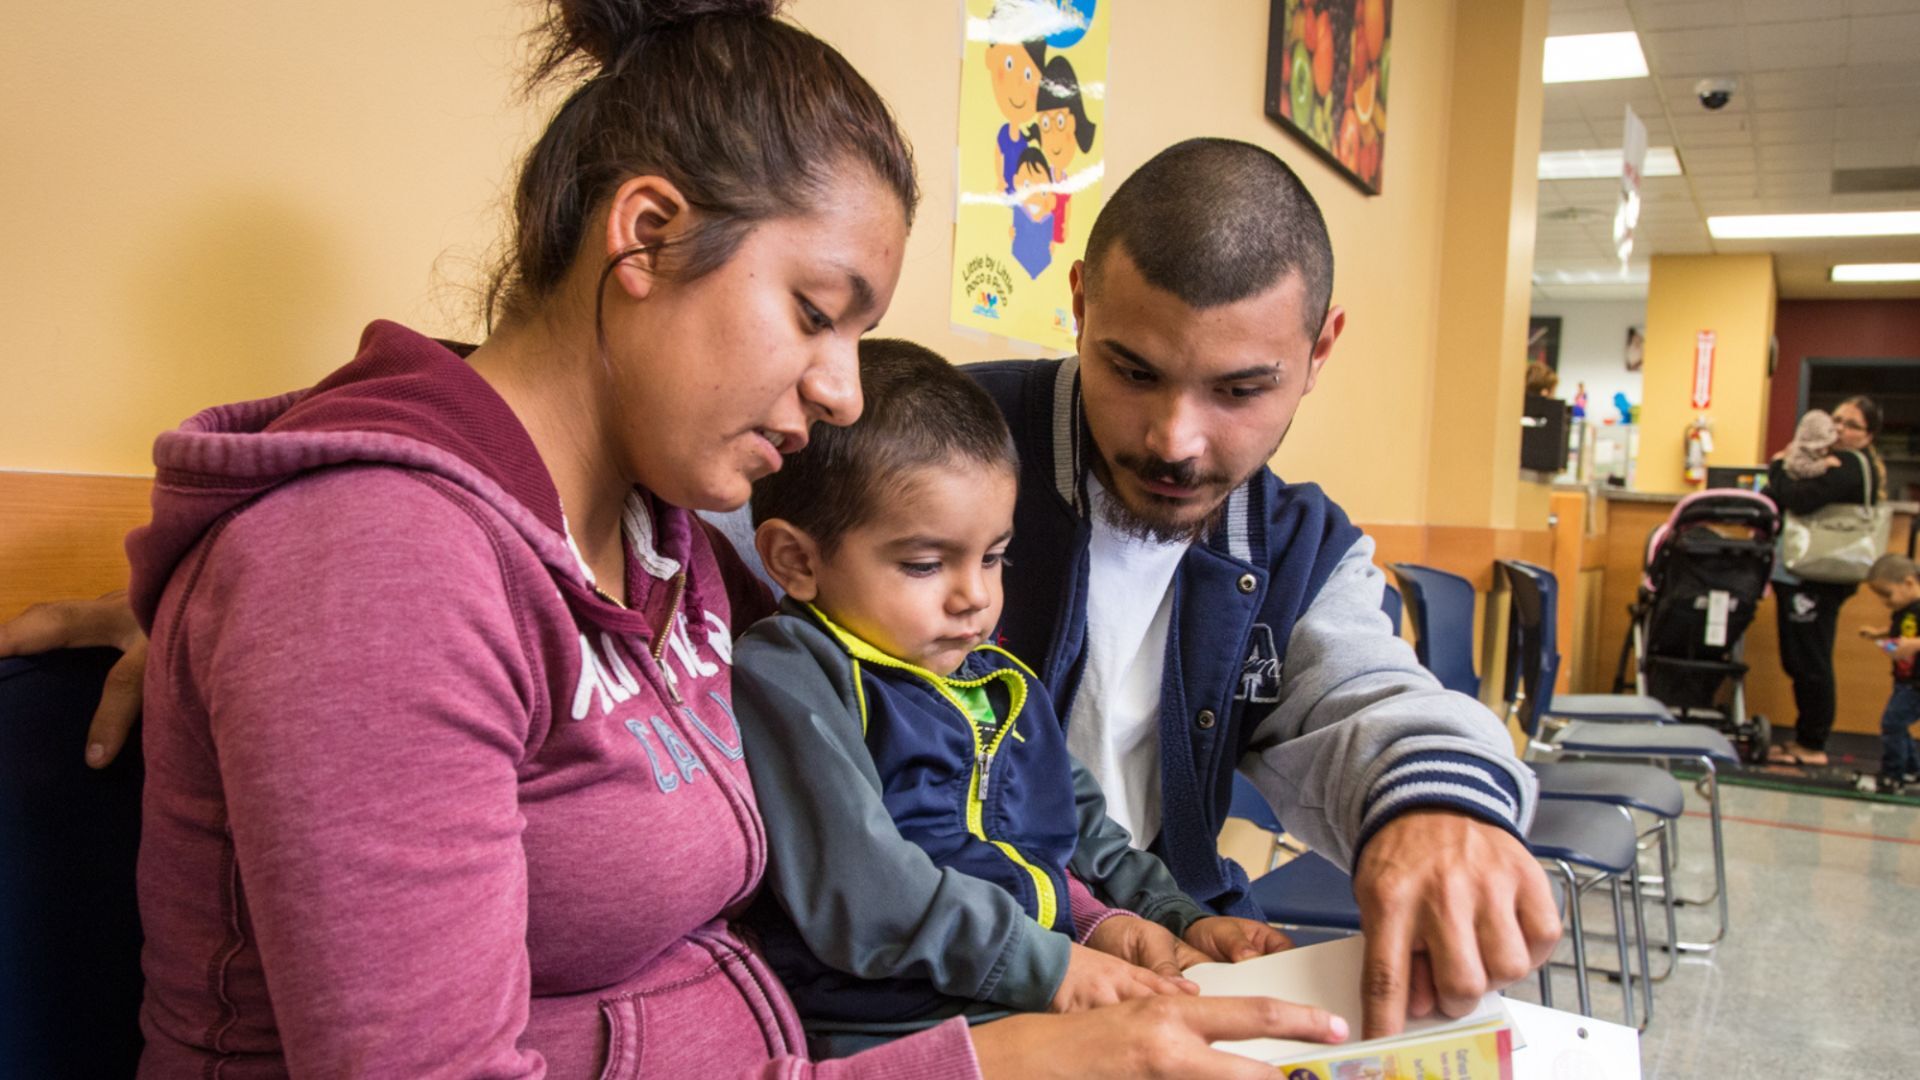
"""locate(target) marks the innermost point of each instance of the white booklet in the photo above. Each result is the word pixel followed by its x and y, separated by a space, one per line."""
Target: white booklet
pixel 1327 976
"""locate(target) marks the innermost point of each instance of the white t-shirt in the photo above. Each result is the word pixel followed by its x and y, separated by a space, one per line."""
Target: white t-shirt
pixel 1114 726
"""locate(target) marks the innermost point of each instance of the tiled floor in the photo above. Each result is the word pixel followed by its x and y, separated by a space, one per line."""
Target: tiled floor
pixel 1820 973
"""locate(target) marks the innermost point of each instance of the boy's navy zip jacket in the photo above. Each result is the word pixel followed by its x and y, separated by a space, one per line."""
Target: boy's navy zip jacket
pixel 918 863
pixel 1280 662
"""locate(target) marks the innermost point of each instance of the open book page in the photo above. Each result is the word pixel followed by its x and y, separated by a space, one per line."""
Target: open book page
pixel 1325 975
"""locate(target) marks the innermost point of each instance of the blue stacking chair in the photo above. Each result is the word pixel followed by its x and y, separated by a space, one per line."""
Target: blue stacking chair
pixel 1441 606
pixel 70 981
pixel 1305 891
pixel 1617 708
pixel 1534 665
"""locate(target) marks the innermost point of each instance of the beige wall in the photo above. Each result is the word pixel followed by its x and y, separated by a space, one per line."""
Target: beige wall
pixel 1733 296
pixel 208 198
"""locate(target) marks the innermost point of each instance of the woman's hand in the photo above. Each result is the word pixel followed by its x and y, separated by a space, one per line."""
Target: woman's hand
pixel 1096 978
pixel 1148 944
pixel 1150 1037
pixel 1231 940
pixel 80 624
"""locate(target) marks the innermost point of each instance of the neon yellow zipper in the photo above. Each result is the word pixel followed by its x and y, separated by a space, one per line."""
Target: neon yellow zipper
pixel 979 785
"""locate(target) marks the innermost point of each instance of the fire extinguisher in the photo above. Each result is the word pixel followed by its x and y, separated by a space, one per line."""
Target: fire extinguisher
pixel 1699 444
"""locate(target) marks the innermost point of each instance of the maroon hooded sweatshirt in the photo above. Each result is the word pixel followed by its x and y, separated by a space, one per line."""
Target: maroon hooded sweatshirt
pixel 420 801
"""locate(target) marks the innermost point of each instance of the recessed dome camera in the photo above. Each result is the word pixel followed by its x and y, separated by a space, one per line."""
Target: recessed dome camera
pixel 1715 93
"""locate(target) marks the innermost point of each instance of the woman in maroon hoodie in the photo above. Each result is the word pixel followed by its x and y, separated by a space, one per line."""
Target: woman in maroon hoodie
pixel 443 777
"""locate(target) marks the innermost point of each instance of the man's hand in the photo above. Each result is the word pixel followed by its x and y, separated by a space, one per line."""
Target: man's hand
pixel 1231 940
pixel 79 624
pixel 1147 944
pixel 1095 978
pixel 1453 907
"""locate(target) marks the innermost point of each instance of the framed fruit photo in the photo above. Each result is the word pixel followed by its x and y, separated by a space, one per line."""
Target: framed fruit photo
pixel 1327 70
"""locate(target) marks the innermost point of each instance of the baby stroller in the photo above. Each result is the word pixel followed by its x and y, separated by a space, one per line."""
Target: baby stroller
pixel 1707 569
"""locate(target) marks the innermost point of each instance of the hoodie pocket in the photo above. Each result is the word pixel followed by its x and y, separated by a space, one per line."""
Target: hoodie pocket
pixel 625 1028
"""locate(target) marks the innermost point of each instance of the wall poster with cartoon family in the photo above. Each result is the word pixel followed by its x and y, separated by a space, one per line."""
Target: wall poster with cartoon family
pixel 1032 154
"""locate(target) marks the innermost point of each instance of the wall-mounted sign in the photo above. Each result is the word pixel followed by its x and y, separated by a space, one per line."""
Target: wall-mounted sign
pixel 1703 369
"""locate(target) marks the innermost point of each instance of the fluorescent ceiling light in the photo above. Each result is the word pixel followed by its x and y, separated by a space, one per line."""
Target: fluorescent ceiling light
pixel 1604 164
pixel 1591 57
pixel 1795 226
pixel 1635 276
pixel 1876 272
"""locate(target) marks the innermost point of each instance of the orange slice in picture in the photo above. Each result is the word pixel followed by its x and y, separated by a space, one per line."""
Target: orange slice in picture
pixel 1363 98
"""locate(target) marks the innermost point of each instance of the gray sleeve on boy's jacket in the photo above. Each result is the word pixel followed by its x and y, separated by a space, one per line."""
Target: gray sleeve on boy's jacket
pixel 1125 876
pixel 1362 731
pixel 865 899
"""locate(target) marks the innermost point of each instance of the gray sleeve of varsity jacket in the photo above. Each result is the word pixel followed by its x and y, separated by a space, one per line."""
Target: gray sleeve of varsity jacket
pixel 865 899
pixel 1363 733
pixel 1105 858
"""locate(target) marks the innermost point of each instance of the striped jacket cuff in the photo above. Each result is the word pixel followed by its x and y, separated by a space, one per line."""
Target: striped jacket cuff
pixel 1443 780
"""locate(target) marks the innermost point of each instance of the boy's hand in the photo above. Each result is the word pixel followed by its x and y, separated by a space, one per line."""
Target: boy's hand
pixel 1872 633
pixel 1905 648
pixel 1147 944
pixel 1095 979
pixel 1231 940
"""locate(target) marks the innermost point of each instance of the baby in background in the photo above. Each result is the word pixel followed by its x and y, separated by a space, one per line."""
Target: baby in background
pixel 1810 454
pixel 933 848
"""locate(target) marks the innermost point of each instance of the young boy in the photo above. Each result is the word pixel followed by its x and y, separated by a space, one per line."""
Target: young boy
pixel 930 840
pixel 1896 581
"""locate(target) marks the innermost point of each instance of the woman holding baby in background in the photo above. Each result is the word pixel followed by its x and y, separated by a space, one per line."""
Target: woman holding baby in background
pixel 1831 461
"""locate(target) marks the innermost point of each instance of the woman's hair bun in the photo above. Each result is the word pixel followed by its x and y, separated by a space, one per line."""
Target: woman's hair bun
pixel 601 31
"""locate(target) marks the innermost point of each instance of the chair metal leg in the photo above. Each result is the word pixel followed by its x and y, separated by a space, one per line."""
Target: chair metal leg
pixel 1640 940
pixel 1579 941
pixel 1620 943
pixel 1666 901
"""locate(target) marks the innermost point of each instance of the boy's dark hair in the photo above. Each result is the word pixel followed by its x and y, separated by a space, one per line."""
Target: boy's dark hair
pixel 1213 221
pixel 1892 570
pixel 920 411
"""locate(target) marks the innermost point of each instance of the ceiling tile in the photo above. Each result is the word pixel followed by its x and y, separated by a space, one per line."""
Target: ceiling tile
pixel 1718 161
pixel 1785 157
pixel 1783 46
pixel 1696 52
pixel 1771 11
pixel 1872 154
pixel 1867 7
pixel 1822 90
pixel 1794 125
pixel 1710 138
pixel 1884 39
pixel 1684 14
pixel 1817 182
pixel 1877 122
pixel 1711 188
pixel 1568 135
pixel 1597 21
pixel 1875 76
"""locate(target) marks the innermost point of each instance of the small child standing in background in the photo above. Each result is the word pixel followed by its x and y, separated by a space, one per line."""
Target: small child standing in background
pixel 1896 581
pixel 932 847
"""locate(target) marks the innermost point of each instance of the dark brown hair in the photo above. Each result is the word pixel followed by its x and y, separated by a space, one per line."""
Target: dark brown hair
pixel 920 411
pixel 1870 415
pixel 750 117
pixel 1213 221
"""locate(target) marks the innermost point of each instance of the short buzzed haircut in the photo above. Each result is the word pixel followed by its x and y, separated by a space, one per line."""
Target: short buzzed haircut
pixel 1892 570
pixel 1213 221
pixel 920 411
